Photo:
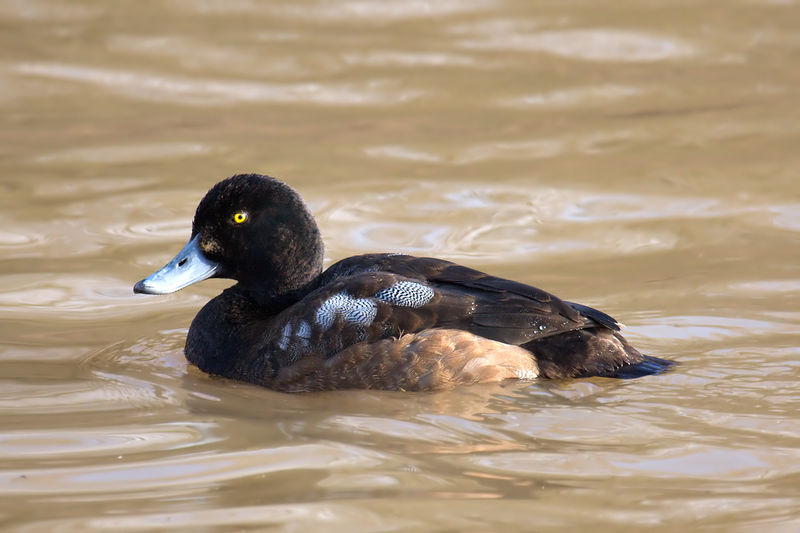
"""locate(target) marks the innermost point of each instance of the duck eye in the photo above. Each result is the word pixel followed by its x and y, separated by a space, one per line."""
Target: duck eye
pixel 240 217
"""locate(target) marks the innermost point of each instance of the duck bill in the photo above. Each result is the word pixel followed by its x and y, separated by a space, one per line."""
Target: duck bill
pixel 187 267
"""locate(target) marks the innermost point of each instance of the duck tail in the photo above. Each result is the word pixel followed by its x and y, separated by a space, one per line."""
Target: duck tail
pixel 646 367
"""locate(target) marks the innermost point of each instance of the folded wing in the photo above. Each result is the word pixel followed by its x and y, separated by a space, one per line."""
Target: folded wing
pixel 376 297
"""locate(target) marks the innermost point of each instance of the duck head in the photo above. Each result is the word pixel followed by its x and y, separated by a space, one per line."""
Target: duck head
pixel 251 228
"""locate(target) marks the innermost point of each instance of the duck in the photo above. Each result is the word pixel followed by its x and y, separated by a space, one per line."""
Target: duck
pixel 385 321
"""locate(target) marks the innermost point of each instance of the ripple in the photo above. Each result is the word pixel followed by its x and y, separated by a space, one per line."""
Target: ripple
pixel 689 328
pixel 65 296
pixel 369 11
pixel 163 351
pixel 395 429
pixel 589 44
pixel 519 149
pixel 199 54
pixel 440 433
pixel 686 462
pixel 778 286
pixel 182 90
pixel 38 354
pixel 384 58
pixel 45 238
pixel 86 187
pixel 124 153
pixel 578 425
pixel 515 222
pixel 619 206
pixel 458 510
pixel 405 236
pixel 47 11
pixel 573 96
pixel 110 393
pixel 110 440
pixel 317 516
pixel 511 150
pixel 172 230
pixel 501 222
pixel 393 151
pixel 188 470
pixel 786 216
pixel 16 239
pixel 611 140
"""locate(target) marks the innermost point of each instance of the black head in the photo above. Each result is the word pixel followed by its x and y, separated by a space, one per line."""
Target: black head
pixel 251 228
pixel 259 230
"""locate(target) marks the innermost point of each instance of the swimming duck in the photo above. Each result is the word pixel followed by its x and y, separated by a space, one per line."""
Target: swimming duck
pixel 378 321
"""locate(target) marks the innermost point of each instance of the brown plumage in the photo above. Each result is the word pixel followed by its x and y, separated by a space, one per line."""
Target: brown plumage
pixel 433 359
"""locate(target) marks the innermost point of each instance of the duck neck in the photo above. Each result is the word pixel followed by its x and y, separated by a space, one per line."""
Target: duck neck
pixel 271 300
pixel 285 280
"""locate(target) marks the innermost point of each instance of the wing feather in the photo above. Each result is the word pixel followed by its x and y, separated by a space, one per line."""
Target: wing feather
pixel 366 299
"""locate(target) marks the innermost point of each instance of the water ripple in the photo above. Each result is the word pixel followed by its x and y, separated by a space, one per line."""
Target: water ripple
pixel 66 296
pixel 108 440
pixel 124 153
pixel 588 44
pixel 16 240
pixel 368 11
pixel 691 328
pixel 291 516
pixel 111 393
pixel 200 55
pixel 43 10
pixel 188 470
pixel 182 90
pixel 515 221
pixel 493 151
pixel 161 230
pixel 592 95
pixel 385 58
pixel 786 216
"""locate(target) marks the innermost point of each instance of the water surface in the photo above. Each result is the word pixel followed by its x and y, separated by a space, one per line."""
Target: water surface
pixel 637 157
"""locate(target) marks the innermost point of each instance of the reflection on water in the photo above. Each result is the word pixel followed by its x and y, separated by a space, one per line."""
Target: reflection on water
pixel 636 157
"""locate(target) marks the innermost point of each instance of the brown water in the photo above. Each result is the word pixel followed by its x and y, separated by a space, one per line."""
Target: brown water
pixel 640 157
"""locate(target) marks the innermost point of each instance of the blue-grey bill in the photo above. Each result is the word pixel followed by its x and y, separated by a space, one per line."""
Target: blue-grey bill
pixel 187 267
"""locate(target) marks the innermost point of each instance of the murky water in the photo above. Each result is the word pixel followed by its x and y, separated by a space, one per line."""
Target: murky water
pixel 638 157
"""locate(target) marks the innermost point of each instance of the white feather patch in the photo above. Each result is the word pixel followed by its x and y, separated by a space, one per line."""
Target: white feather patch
pixel 406 294
pixel 358 311
pixel 283 343
pixel 304 330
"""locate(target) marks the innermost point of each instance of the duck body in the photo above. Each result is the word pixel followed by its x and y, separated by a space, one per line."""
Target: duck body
pixel 379 321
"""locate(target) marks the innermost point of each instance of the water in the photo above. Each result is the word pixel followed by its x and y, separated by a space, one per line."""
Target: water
pixel 636 157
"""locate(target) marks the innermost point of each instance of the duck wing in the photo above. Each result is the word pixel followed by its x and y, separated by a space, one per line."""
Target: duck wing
pixel 402 322
pixel 490 301
pixel 379 296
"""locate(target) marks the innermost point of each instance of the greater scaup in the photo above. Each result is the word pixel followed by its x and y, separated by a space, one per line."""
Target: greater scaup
pixel 381 321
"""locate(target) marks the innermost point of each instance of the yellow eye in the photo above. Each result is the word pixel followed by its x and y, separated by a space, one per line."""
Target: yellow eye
pixel 240 217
